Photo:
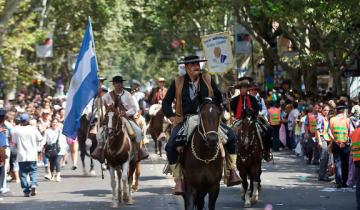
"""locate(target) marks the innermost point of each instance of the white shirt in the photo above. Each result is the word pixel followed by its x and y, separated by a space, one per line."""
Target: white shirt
pixel 302 120
pixel 127 100
pixel 50 137
pixel 292 118
pixel 25 138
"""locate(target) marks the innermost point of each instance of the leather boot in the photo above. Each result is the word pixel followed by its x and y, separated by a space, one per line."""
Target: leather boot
pixel 179 185
pixel 233 178
pixel 98 153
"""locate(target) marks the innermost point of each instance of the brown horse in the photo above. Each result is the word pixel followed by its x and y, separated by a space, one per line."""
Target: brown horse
pixel 156 127
pixel 202 162
pixel 249 159
pixel 120 157
pixel 82 135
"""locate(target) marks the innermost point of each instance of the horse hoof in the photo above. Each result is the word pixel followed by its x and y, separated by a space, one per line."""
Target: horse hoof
pixel 253 200
pixel 120 199
pixel 114 205
pixel 129 202
pixel 92 173
pixel 247 205
pixel 135 188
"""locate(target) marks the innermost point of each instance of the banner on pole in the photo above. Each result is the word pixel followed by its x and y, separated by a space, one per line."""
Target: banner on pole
pixel 242 40
pixel 218 52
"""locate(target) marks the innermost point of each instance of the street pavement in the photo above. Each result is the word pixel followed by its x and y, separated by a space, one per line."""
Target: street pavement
pixel 288 184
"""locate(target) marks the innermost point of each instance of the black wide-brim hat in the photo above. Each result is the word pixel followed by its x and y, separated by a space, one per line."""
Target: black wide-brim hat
pixel 192 59
pixel 244 82
pixel 117 79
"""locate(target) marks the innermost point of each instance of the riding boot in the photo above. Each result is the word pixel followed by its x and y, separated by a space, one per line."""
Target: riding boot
pixel 179 185
pixel 98 153
pixel 233 178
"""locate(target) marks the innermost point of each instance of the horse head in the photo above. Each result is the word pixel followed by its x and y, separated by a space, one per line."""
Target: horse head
pixel 247 131
pixel 209 121
pixel 113 121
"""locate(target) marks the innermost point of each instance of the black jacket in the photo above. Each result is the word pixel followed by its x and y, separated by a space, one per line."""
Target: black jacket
pixel 254 105
pixel 189 106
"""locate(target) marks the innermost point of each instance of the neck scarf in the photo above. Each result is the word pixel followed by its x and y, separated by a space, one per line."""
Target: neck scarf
pixel 241 106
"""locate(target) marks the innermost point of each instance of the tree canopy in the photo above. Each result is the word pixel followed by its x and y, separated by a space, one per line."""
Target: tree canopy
pixel 134 37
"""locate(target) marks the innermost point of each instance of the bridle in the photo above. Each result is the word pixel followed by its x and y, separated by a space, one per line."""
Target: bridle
pixel 109 129
pixel 204 137
pixel 247 142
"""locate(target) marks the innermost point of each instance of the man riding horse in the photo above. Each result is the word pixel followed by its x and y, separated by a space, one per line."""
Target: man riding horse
pixel 128 108
pixel 188 90
pixel 245 104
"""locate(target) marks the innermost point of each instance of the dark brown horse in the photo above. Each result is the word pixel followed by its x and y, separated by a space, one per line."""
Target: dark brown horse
pixel 82 135
pixel 202 161
pixel 249 159
pixel 120 157
pixel 156 127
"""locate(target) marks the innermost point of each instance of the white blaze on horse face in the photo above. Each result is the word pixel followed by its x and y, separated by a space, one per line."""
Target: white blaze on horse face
pixel 210 110
pixel 110 115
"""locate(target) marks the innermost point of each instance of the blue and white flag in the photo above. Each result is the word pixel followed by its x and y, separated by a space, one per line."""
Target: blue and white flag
pixel 83 86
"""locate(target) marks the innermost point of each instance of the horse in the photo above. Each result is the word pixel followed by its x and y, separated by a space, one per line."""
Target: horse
pixel 119 155
pixel 158 124
pixel 83 134
pixel 249 158
pixel 202 160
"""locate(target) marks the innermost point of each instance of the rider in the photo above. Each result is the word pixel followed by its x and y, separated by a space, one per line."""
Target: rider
pixel 158 93
pixel 244 103
pixel 129 104
pixel 263 123
pixel 194 85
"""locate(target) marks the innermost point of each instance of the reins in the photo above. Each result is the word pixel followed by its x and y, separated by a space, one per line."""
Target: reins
pixel 203 136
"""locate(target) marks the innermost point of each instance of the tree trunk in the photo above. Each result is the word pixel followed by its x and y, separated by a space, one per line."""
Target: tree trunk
pixel 295 77
pixel 336 75
pixel 310 76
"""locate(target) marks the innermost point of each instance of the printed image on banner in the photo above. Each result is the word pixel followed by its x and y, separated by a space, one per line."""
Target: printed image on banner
pixel 242 40
pixel 218 52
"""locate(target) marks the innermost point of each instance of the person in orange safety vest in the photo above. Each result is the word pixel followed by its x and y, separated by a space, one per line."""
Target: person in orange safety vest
pixel 340 145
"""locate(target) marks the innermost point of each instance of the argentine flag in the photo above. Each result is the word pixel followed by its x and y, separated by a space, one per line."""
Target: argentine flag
pixel 83 86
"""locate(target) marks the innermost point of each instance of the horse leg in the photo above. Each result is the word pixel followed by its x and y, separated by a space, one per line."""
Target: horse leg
pixel 113 187
pixel 125 180
pixel 156 146
pixel 255 180
pixel 82 157
pixel 135 187
pixel 248 193
pixel 160 146
pixel 255 193
pixel 92 148
pixel 199 200
pixel 213 195
pixel 92 171
pixel 244 186
pixel 189 198
pixel 119 190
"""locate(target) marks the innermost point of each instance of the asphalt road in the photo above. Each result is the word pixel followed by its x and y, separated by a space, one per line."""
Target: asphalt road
pixel 288 184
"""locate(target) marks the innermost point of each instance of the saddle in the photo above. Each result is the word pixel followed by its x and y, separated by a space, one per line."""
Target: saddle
pixel 190 124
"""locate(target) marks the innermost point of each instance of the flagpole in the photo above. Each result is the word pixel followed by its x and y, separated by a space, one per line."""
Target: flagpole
pixel 93 41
